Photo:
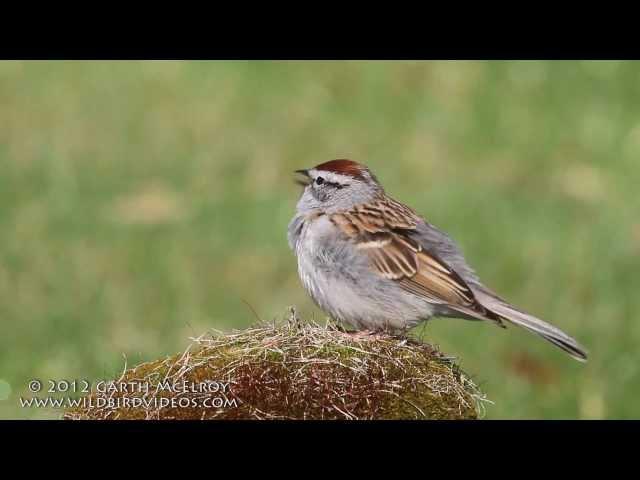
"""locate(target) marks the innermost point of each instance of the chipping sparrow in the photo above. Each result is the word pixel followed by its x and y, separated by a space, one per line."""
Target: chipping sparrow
pixel 372 262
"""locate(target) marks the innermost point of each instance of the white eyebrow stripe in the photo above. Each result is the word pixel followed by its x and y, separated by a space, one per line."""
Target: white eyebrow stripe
pixel 330 177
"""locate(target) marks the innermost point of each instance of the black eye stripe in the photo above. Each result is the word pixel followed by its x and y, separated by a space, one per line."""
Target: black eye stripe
pixel 322 181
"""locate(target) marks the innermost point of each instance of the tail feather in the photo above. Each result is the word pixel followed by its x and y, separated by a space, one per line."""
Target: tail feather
pixel 548 332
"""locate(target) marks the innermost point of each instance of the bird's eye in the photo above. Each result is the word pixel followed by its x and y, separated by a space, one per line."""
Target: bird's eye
pixel 319 180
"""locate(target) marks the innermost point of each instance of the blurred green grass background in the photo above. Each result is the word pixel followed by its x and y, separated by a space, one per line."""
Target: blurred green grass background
pixel 142 203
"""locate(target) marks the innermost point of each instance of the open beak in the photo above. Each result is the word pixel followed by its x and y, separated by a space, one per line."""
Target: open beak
pixel 303 177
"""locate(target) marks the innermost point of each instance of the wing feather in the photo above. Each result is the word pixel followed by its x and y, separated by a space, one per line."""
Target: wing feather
pixel 382 229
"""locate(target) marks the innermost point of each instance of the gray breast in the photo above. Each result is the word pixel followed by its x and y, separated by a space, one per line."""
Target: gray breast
pixel 340 280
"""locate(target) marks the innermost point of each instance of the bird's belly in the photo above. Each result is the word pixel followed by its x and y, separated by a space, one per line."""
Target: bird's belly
pixel 355 295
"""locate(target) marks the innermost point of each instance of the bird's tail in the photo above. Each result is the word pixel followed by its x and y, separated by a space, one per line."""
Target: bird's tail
pixel 550 333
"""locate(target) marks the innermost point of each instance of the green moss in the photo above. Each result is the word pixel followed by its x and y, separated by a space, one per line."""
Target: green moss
pixel 291 371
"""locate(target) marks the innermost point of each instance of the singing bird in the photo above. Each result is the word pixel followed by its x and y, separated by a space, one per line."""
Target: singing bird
pixel 374 263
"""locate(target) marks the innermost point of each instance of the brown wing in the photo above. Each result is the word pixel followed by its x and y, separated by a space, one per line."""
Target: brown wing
pixel 381 230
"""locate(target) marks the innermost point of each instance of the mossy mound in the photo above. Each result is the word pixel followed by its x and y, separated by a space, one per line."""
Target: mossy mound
pixel 290 371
